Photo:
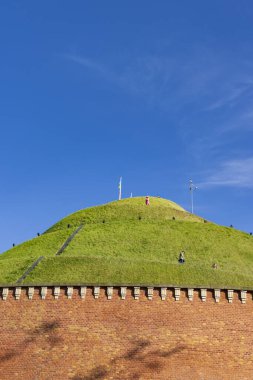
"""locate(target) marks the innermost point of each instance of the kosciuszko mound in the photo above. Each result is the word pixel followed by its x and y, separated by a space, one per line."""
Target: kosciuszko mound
pixel 101 295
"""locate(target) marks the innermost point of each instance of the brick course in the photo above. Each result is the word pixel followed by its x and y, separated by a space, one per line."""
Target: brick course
pixel 86 339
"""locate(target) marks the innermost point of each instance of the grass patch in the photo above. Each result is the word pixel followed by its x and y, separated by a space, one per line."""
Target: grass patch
pixel 44 245
pixel 12 269
pixel 66 270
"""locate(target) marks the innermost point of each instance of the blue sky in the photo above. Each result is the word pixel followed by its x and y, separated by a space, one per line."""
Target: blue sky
pixel 156 92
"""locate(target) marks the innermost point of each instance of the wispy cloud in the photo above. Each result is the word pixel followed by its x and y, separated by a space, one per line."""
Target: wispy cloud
pixel 241 120
pixel 143 76
pixel 202 79
pixel 163 79
pixel 231 95
pixel 98 68
pixel 235 173
pixel 208 94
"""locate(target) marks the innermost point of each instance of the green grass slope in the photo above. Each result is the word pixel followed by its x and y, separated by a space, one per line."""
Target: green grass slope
pixel 127 242
pixel 15 261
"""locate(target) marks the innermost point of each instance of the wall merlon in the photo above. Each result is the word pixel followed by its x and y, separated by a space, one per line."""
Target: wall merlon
pixel 243 296
pixel 136 292
pixel 150 293
pixel 230 295
pixel 109 292
pixel 177 292
pixel 217 295
pixel 57 291
pixel 69 292
pixel 30 292
pixel 123 291
pixel 43 292
pixel 5 292
pixel 190 294
pixel 203 294
pixel 96 291
pixel 18 293
pixel 83 290
pixel 163 293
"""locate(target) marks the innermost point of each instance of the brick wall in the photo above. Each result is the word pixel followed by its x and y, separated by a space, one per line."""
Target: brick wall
pixel 85 339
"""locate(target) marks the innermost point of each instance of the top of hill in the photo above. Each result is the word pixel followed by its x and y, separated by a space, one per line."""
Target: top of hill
pixel 129 209
pixel 127 242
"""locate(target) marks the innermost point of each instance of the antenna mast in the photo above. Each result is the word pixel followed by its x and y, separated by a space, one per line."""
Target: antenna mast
pixel 192 188
pixel 120 188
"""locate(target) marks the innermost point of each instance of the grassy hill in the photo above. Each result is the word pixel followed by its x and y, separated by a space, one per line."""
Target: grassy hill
pixel 127 242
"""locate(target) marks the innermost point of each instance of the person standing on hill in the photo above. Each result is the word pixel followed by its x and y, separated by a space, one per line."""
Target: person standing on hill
pixel 181 258
pixel 147 201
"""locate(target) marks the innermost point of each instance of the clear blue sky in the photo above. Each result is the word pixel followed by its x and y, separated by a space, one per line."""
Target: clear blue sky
pixel 158 92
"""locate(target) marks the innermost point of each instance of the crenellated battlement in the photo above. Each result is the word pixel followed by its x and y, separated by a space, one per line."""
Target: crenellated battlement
pixel 162 293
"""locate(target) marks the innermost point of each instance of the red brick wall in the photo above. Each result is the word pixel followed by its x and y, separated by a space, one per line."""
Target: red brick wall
pixel 125 339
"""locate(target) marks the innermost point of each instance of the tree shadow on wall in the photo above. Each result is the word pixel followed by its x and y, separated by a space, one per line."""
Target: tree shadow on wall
pixel 134 362
pixel 46 331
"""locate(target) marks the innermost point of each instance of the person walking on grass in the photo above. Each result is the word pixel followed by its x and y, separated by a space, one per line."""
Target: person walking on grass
pixel 147 202
pixel 181 258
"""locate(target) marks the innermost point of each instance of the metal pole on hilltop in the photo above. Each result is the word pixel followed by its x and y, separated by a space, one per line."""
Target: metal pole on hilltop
pixel 120 188
pixel 192 188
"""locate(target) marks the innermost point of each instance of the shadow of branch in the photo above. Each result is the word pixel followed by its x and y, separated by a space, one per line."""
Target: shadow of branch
pixel 46 331
pixel 141 353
